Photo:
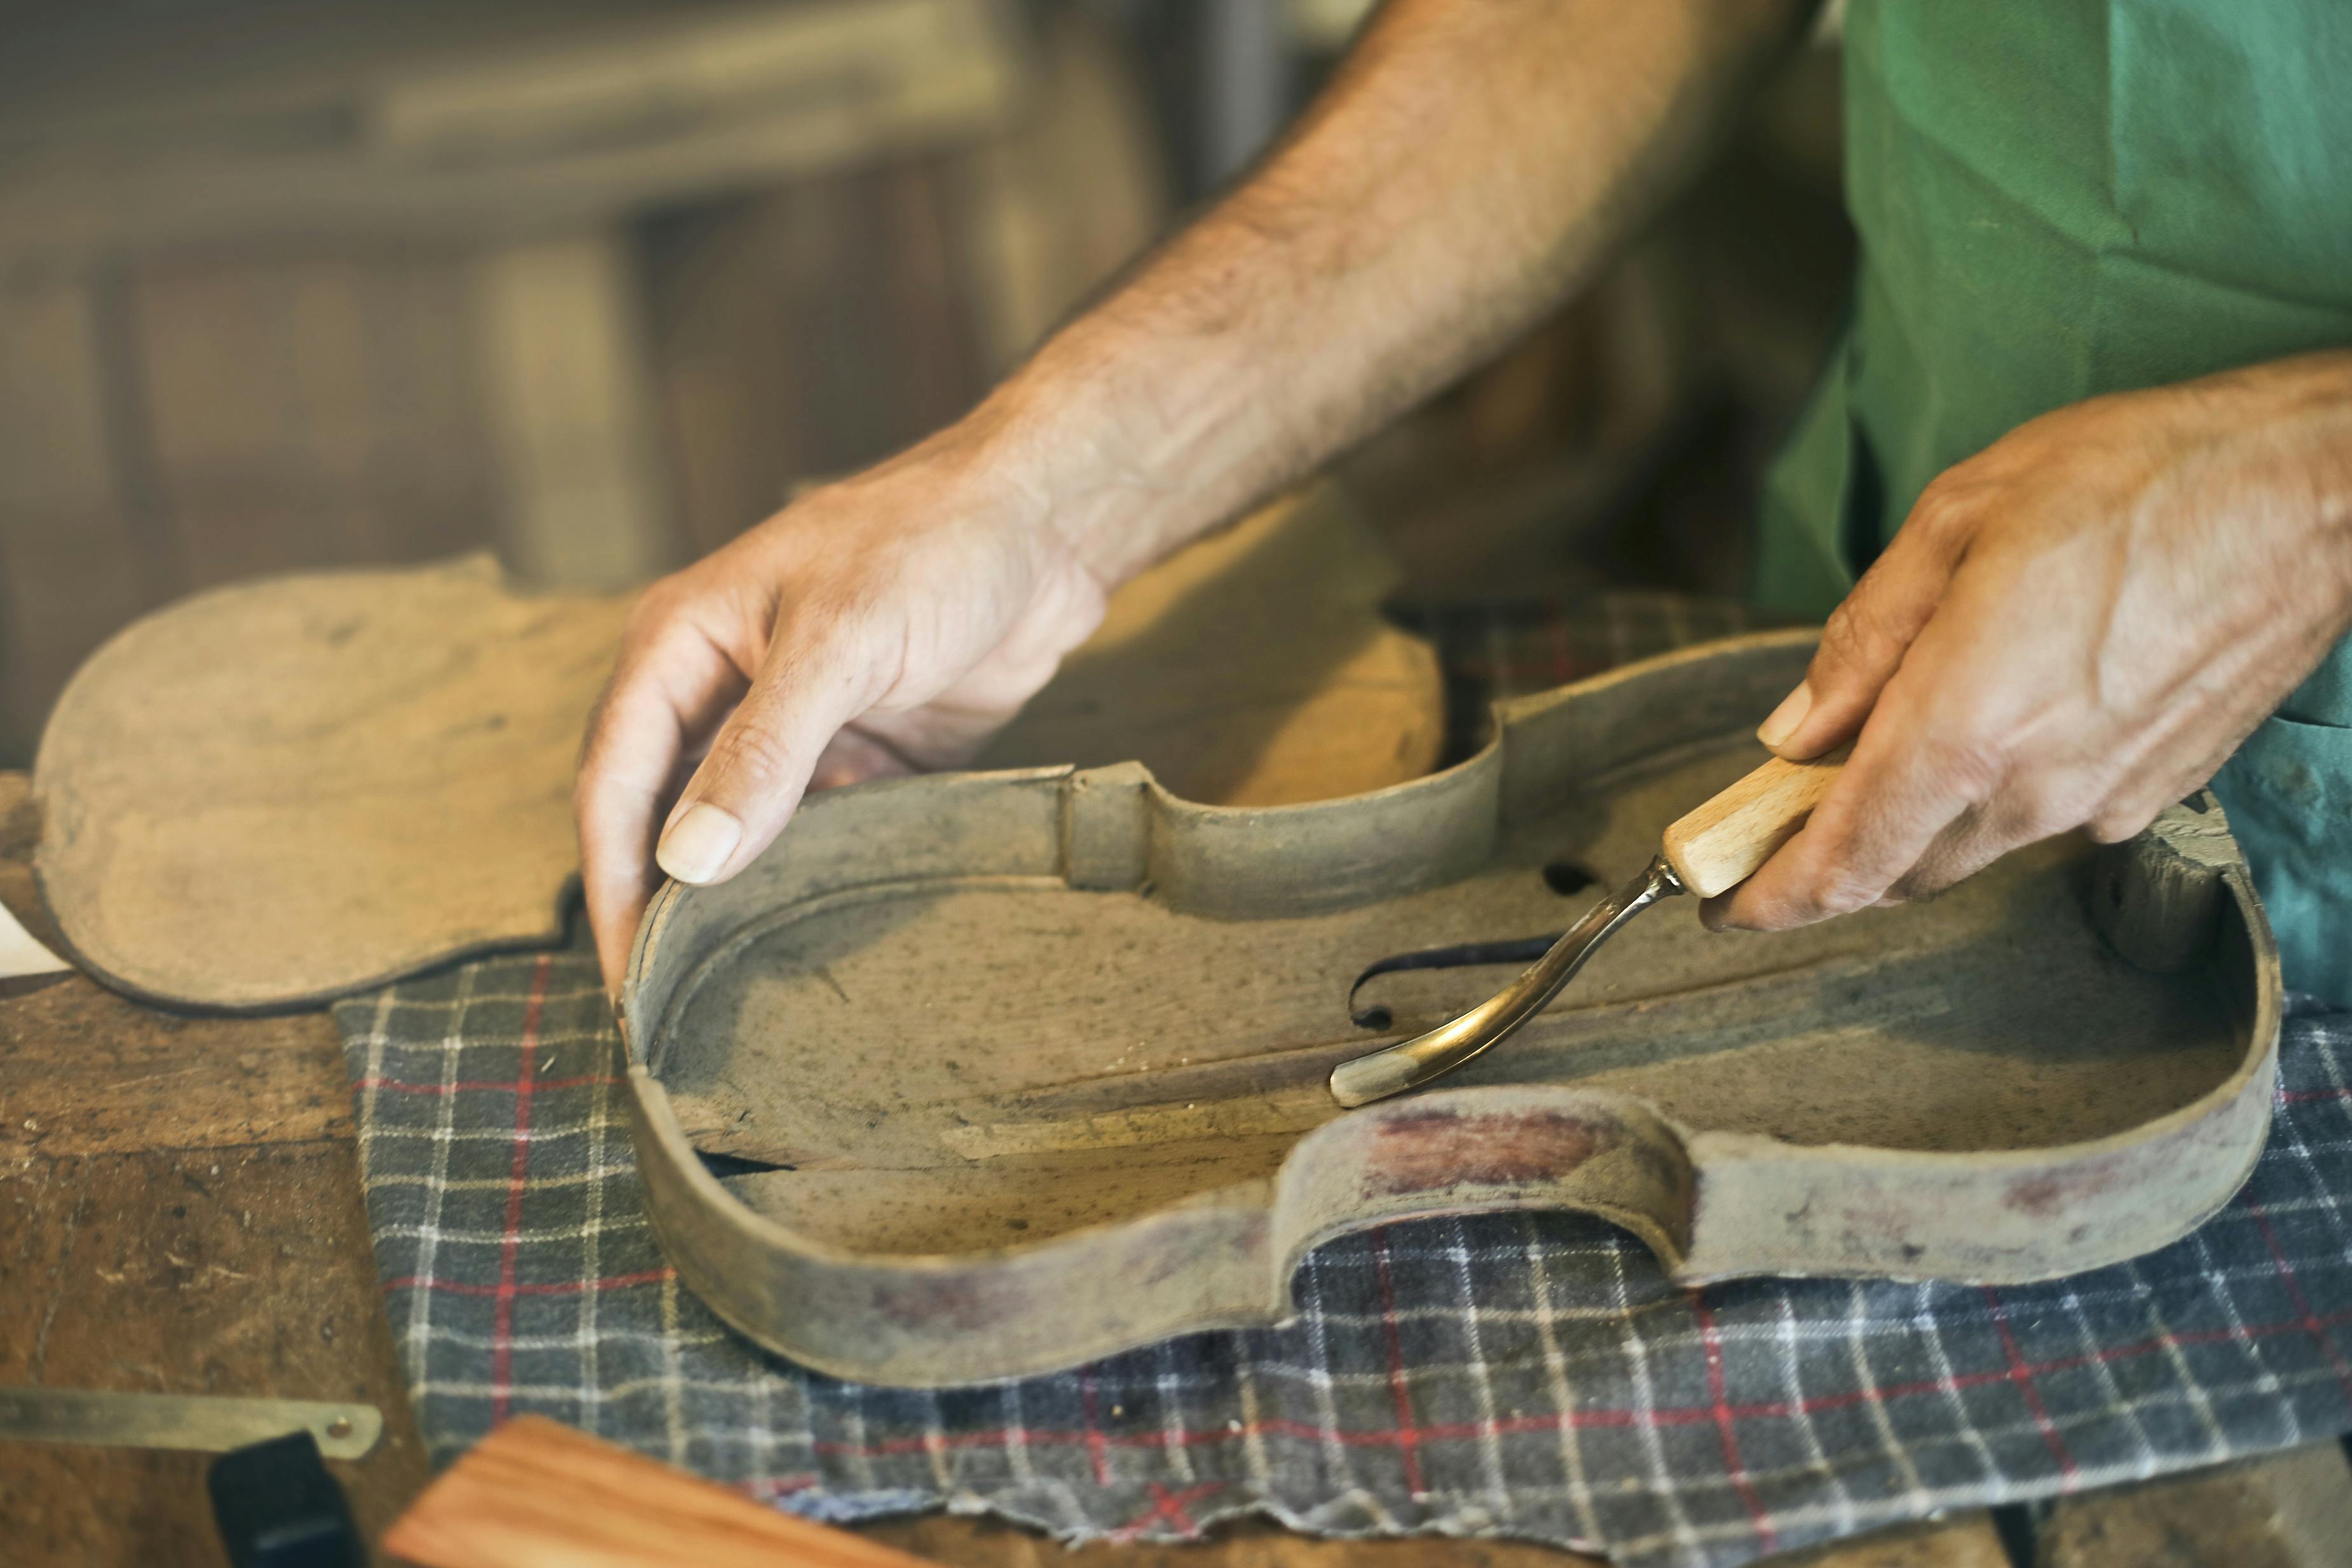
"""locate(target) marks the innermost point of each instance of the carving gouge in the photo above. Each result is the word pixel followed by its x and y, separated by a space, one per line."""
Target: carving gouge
pixel 1712 849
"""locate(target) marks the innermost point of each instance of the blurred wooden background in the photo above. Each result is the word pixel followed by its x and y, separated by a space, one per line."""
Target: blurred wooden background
pixel 292 284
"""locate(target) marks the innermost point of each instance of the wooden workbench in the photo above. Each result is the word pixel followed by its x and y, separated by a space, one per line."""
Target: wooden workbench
pixel 180 1212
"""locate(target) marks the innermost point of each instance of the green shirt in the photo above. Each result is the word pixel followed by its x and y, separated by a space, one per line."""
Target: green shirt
pixel 2058 198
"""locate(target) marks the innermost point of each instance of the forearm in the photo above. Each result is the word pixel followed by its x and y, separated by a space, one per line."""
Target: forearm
pixel 1471 163
pixel 1473 160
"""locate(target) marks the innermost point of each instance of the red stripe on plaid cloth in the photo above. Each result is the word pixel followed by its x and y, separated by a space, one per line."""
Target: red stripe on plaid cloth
pixel 1170 1506
pixel 2022 1376
pixel 551 1287
pixel 768 1489
pixel 476 1085
pixel 1408 1435
pixel 1097 1444
pixel 502 1326
pixel 2310 1321
pixel 2297 1096
pixel 1725 1424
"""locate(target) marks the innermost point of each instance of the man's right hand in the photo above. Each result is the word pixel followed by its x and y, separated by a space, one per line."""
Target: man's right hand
pixel 888 623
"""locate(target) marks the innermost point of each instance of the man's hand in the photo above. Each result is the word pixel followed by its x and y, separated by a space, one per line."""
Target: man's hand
pixel 2074 629
pixel 884 625
pixel 1466 166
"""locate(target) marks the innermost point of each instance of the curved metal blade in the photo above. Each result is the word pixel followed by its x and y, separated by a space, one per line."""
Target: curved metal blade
pixel 1415 1061
pixel 1453 955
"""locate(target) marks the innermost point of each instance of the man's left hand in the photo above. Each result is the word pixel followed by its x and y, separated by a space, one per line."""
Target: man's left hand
pixel 2074 629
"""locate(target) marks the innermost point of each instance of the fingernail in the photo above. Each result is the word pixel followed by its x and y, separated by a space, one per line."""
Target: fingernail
pixel 699 843
pixel 1775 730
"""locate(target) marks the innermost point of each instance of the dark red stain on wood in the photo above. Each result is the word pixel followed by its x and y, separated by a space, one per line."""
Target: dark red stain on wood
pixel 2046 1196
pixel 964 1299
pixel 1428 1150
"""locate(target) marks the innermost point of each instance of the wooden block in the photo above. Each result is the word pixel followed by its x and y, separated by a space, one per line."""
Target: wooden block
pixel 535 1494
pixel 2291 1512
pixel 582 499
pixel 73 566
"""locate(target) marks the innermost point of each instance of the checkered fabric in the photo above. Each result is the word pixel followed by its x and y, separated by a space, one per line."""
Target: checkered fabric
pixel 1532 1375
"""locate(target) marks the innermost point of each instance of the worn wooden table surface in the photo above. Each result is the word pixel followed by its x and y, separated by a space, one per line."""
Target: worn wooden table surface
pixel 180 1212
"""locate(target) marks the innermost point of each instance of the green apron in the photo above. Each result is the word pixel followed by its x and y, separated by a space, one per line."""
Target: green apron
pixel 2058 198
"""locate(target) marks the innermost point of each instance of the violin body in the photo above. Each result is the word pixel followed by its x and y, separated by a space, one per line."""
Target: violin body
pixel 1007 1070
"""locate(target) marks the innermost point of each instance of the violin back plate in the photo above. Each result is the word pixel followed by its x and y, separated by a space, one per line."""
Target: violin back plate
pixel 284 791
pixel 1007 1070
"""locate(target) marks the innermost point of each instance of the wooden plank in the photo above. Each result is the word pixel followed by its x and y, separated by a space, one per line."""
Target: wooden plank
pixel 456 119
pixel 537 1494
pixel 847 353
pixel 931 301
pixel 1032 250
pixel 91 1073
pixel 227 407
pixel 311 409
pixel 807 331
pixel 583 502
pixel 721 294
pixel 70 562
pixel 432 472
pixel 2291 1512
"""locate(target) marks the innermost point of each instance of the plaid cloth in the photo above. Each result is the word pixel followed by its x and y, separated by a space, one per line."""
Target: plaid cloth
pixel 1532 1375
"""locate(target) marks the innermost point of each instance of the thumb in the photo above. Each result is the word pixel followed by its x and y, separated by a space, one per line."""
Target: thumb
pixel 761 760
pixel 1866 636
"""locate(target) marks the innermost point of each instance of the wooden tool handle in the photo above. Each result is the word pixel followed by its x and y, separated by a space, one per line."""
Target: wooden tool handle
pixel 1719 845
pixel 533 1494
